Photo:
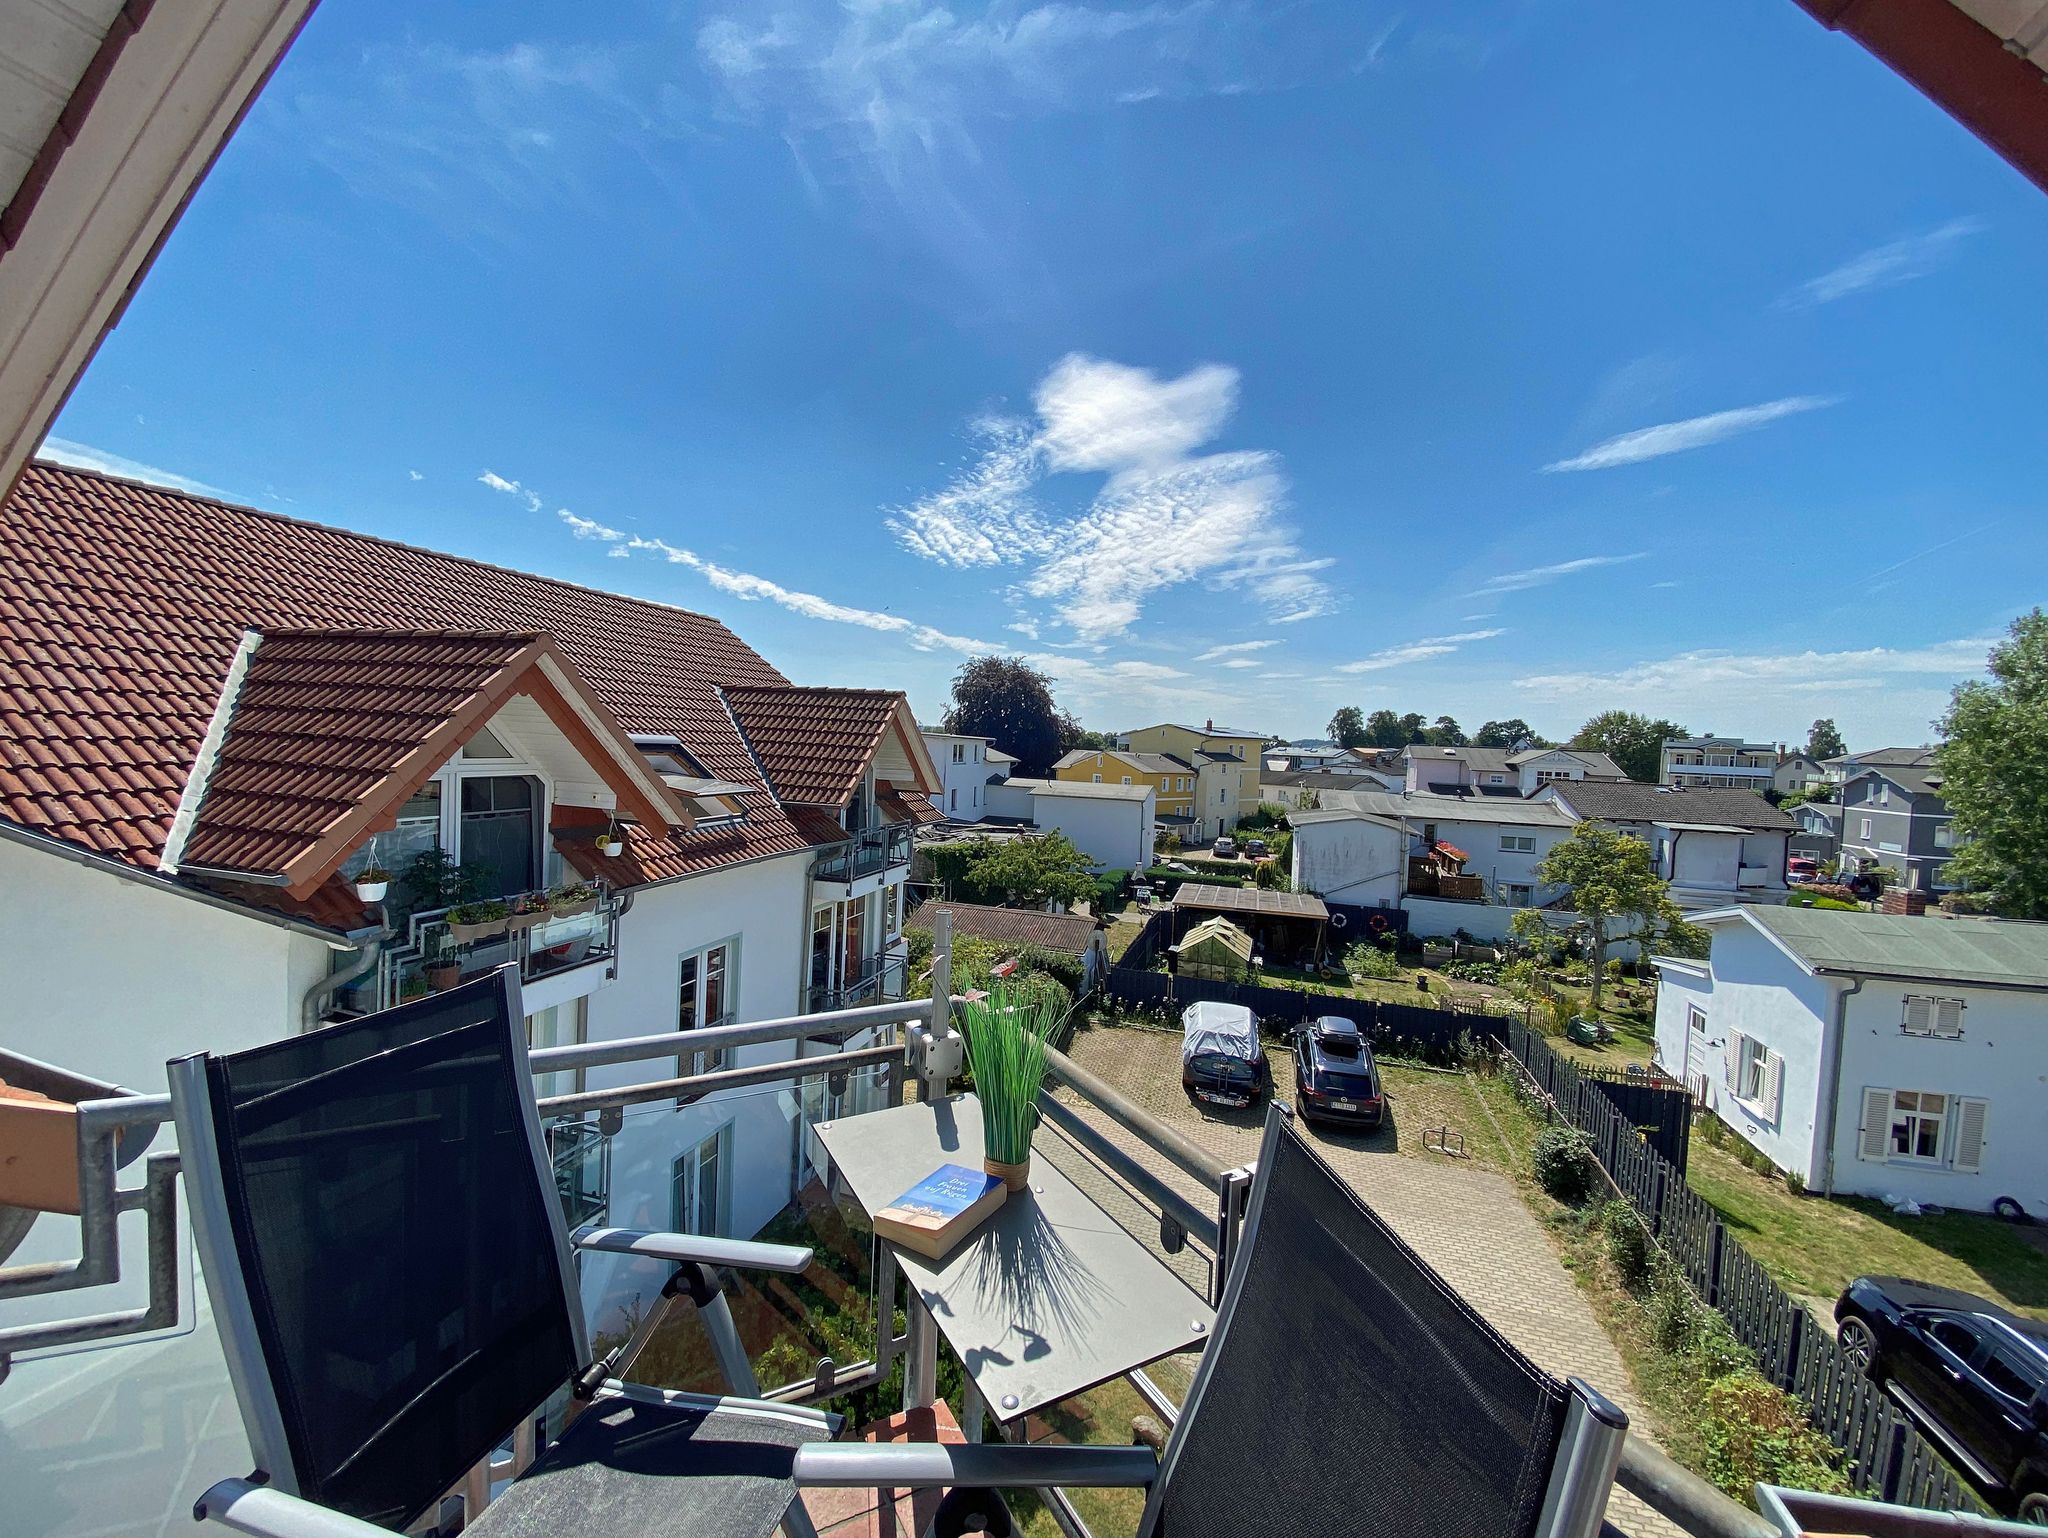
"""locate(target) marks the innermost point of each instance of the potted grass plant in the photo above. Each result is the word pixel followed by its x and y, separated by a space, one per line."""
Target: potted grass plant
pixel 1006 1033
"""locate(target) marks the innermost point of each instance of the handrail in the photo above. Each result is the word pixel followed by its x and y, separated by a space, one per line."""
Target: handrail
pixel 1678 1493
pixel 632 1049
pixel 1177 1146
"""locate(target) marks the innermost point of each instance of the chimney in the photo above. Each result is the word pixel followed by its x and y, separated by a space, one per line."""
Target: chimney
pixel 1209 725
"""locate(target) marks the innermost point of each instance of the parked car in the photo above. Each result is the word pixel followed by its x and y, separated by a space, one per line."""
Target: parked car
pixel 1335 1078
pixel 1225 847
pixel 1974 1377
pixel 1221 1059
pixel 1802 868
pixel 1255 848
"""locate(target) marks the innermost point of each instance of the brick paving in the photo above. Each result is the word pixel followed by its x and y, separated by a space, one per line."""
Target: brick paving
pixel 1468 1223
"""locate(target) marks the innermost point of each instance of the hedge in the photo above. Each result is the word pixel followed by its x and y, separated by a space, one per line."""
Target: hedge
pixel 1159 874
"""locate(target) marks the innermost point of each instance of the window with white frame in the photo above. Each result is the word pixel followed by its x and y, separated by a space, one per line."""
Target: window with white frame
pixel 1518 843
pixel 1923 1127
pixel 1944 836
pixel 1928 1015
pixel 953 799
pixel 1865 833
pixel 707 994
pixel 1754 1073
pixel 1127 779
pixel 1094 779
pixel 1917 1119
pixel 1519 895
pixel 1547 776
pixel 959 752
pixel 700 1185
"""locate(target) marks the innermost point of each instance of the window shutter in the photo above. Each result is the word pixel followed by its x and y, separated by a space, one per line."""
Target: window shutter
pixel 1918 1009
pixel 1731 1069
pixel 1876 1132
pixel 1970 1133
pixel 1948 1017
pixel 1774 1078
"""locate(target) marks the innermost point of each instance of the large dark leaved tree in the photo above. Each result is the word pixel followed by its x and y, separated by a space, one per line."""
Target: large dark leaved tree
pixel 1994 766
pixel 1823 741
pixel 1510 733
pixel 1634 742
pixel 1347 727
pixel 1008 701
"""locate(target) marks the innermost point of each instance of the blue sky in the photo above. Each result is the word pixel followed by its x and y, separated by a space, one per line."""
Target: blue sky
pixel 1229 359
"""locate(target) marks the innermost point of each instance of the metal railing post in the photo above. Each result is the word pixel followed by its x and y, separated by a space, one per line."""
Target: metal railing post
pixel 920 1354
pixel 1233 1194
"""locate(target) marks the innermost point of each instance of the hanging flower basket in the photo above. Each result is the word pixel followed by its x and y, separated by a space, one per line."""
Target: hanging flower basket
pixel 372 882
pixel 610 845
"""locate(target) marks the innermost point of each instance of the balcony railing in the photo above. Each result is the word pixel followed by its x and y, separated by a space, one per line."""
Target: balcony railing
pixel 881 978
pixel 829 1334
pixel 543 947
pixel 867 853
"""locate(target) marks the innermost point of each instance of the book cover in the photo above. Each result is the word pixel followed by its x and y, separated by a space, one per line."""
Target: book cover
pixel 941 1209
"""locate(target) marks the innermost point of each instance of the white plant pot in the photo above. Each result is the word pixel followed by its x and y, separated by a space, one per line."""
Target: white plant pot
pixel 372 891
pixel 611 848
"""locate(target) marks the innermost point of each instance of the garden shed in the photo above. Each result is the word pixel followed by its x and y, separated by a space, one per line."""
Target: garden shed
pixel 1214 948
pixel 1285 927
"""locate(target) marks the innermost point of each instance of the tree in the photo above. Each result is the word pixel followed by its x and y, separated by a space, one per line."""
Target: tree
pixel 1383 729
pixel 1632 741
pixel 1446 733
pixel 1347 727
pixel 1504 734
pixel 1008 701
pixel 1035 870
pixel 1823 741
pixel 1082 738
pixel 1612 891
pixel 1994 766
pixel 1411 726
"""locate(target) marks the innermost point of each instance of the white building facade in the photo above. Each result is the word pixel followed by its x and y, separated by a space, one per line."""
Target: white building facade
pixel 965 769
pixel 1110 824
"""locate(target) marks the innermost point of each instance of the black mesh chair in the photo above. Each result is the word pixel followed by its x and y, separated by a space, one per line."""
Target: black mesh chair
pixel 394 1287
pixel 1346 1390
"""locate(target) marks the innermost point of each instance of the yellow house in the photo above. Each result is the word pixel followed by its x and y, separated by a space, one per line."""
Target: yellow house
pixel 1172 779
pixel 1226 766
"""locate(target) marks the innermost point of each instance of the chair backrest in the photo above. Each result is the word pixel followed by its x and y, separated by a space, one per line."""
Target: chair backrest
pixel 383 1245
pixel 1347 1389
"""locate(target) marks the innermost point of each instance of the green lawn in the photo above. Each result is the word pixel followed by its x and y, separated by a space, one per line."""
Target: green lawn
pixel 1815 1246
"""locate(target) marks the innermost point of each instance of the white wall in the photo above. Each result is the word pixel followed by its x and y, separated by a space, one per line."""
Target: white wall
pixel 1115 834
pixel 2001 1057
pixel 1435 917
pixel 765 905
pixel 1702 861
pixel 1481 841
pixel 1349 860
pixel 961 791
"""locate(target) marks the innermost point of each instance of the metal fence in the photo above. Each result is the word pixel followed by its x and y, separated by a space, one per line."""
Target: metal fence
pixel 1884 1455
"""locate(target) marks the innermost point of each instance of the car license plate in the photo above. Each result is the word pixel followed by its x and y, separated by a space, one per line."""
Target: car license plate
pixel 1233 1100
pixel 1343 1105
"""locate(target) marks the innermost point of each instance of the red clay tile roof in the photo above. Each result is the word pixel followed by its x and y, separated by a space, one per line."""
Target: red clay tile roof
pixel 814 743
pixel 122 604
pixel 908 805
pixel 818 825
pixel 1018 926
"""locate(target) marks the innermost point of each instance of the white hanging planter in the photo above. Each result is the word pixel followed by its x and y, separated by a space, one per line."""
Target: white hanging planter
pixel 611 846
pixel 372 891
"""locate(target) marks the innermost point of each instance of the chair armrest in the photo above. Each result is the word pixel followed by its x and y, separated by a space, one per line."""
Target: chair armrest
pixel 986 1465
pixel 263 1513
pixel 743 1254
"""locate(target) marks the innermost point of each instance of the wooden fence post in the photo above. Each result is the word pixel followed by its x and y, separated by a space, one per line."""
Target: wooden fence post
pixel 1891 1462
pixel 1715 1236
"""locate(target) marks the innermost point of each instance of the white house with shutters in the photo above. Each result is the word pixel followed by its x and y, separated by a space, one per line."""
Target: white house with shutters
pixel 1870 1054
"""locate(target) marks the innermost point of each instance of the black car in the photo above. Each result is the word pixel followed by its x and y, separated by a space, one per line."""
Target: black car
pixel 1971 1374
pixel 1335 1078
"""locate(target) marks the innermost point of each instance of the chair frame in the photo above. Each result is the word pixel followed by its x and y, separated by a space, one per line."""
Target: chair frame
pixel 268 1504
pixel 1575 1497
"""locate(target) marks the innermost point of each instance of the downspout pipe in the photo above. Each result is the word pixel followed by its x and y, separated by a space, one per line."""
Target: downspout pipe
pixel 1834 1096
pixel 322 993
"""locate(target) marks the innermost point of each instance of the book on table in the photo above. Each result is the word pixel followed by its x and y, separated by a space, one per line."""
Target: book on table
pixel 941 1209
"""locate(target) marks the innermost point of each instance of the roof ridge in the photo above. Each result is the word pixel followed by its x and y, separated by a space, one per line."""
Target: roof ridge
pixel 225 505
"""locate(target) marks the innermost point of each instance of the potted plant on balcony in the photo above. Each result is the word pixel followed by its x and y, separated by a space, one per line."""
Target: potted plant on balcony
pixel 445 970
pixel 611 843
pixel 577 897
pixel 1006 1032
pixel 526 910
pixel 372 882
pixel 471 922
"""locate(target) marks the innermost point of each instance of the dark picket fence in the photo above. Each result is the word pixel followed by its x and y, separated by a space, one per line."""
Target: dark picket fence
pixel 1884 1454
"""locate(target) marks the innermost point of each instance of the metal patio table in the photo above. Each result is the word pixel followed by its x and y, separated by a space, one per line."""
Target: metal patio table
pixel 1047 1298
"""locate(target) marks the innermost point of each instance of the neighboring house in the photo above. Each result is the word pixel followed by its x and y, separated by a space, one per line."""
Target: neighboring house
pixel 1172 779
pixel 1871 1054
pixel 1378 848
pixel 1285 787
pixel 1797 771
pixel 1499 771
pixel 1353 762
pixel 1227 765
pixel 1073 933
pixel 966 764
pixel 1718 763
pixel 1001 765
pixel 1836 770
pixel 191 771
pixel 1714 845
pixel 1893 816
pixel 1820 831
pixel 1110 824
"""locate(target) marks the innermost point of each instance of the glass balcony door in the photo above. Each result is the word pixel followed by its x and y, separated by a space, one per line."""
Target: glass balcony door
pixel 499 830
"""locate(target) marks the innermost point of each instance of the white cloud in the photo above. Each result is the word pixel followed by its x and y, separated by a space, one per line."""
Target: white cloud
pixel 1164 515
pixel 498 482
pixel 1234 648
pixel 1539 576
pixel 85 457
pixel 415 475
pixel 1241 662
pixel 1416 651
pixel 1895 262
pixel 590 528
pixel 1692 433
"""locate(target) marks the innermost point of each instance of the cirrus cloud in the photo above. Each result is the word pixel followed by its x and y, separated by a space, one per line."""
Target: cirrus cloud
pixel 1693 433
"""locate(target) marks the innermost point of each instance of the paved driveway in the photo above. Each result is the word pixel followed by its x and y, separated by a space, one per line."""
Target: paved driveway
pixel 1467 1223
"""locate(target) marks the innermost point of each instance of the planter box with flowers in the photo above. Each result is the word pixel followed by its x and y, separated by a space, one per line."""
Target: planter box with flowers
pixel 471 922
pixel 578 897
pixel 527 910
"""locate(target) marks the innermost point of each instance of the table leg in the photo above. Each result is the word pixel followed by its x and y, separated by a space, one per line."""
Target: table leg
pixel 921 1355
pixel 972 1411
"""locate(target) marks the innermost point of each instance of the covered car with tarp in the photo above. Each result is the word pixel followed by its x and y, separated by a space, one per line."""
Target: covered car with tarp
pixel 1221 1059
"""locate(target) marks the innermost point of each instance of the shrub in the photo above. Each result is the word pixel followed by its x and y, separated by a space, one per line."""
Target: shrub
pixel 1269 877
pixel 1563 1159
pixel 1628 1244
pixel 1364 960
pixel 1758 1434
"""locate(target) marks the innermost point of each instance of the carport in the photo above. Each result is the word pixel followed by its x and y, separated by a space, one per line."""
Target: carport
pixel 1288 926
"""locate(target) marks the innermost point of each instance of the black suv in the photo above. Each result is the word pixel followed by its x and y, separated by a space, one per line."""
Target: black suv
pixel 1335 1079
pixel 1971 1374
